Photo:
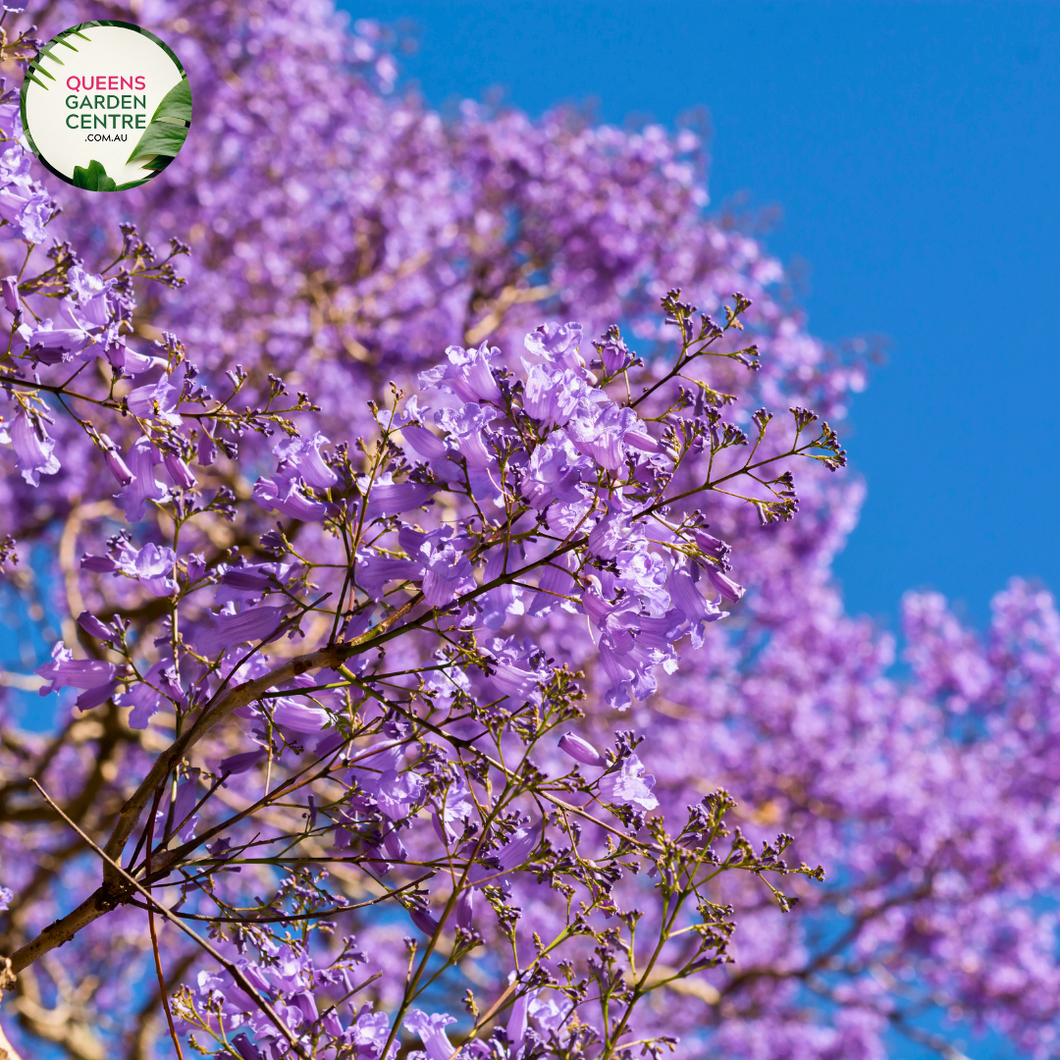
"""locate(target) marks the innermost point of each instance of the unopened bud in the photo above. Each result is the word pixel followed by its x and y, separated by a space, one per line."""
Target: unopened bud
pixel 581 750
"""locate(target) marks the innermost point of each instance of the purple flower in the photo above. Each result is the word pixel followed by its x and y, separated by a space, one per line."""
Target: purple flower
pixel 552 395
pixel 467 375
pixel 160 399
pixel 196 566
pixel 556 471
pixel 615 532
pixel 557 344
pixel 427 924
pixel 427 446
pixel 93 627
pixel 521 845
pixel 93 697
pixel 504 599
pixel 431 1030
pixel 241 763
pixel 456 808
pixel 33 448
pixel 516 1026
pixel 298 717
pixel 465 427
pixel 373 572
pixel 6 898
pixel 143 456
pixel 242 1045
pixel 464 908
pixel 370 1033
pixel 288 497
pixel 724 584
pixel 446 574
pixel 690 601
pixel 396 793
pixel 395 849
pixel 118 468
pixel 436 562
pixel 631 668
pixel 205 450
pixel 145 696
pixel 392 498
pixel 555 586
pixel 600 431
pixel 51 344
pixel 549 1013
pixel 300 458
pixel 151 566
pixel 614 354
pixel 581 750
pixel 131 362
pixel 179 472
pixel 229 629
pixel 517 667
pixel 98 564
pixel 90 293
pixel 629 784
pixel 253 579
pixel 9 289
pixel 64 671
pixel 183 804
pixel 711 545
pixel 24 203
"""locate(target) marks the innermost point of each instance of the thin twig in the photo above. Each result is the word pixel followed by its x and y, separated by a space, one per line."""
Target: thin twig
pixel 228 966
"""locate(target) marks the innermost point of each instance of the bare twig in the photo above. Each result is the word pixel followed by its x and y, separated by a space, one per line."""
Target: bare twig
pixel 237 975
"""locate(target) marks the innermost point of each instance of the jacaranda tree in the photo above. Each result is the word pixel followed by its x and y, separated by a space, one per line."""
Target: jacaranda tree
pixel 434 675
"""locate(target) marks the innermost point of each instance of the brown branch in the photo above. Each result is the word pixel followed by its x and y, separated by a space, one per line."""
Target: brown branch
pixel 233 970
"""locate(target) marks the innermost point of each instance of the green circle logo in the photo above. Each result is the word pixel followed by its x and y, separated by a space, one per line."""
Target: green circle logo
pixel 106 105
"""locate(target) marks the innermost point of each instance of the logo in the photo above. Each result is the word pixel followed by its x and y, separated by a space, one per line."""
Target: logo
pixel 106 106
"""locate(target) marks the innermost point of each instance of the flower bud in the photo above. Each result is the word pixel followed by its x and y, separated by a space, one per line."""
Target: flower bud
pixel 724 584
pixel 207 451
pixel 9 288
pixel 118 468
pixel 179 472
pixel 581 750
pixel 93 627
pixel 98 564
pixel 423 920
pixel 241 763
pixel 465 904
pixel 711 545
pixel 245 1049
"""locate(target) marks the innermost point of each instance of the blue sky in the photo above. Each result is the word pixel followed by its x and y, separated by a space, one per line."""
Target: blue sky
pixel 913 150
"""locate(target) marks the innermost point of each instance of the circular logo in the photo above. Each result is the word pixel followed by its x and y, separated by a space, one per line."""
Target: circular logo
pixel 106 105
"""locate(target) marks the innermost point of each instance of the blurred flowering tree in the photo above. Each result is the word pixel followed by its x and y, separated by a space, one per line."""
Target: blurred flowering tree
pixel 401 718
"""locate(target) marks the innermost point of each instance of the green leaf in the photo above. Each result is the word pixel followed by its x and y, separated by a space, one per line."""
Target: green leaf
pixel 161 138
pixel 168 128
pixel 51 55
pixel 132 184
pixel 94 178
pixel 176 104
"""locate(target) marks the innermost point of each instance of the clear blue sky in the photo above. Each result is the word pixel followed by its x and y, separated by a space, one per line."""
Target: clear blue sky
pixel 913 149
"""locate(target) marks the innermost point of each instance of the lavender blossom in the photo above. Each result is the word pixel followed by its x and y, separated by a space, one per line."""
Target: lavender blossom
pixel 143 456
pixel 431 1030
pixel 33 447
pixel 629 784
